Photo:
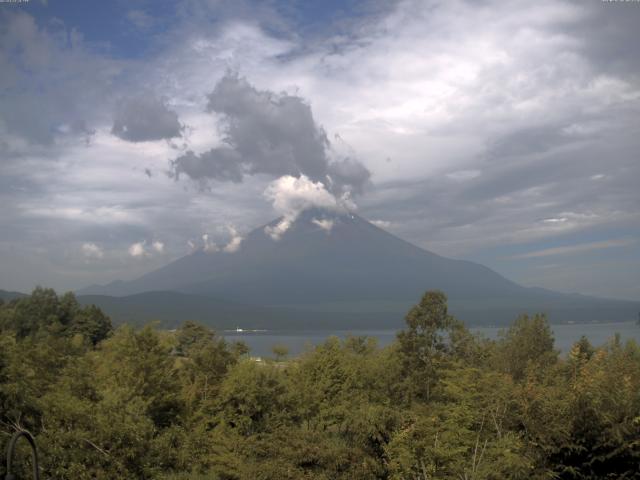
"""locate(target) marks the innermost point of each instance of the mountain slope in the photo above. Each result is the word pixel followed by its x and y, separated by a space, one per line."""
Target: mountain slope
pixel 168 308
pixel 355 260
pixel 8 296
pixel 356 268
pixel 171 309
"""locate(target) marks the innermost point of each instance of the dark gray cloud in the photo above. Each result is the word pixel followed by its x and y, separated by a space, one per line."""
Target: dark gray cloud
pixel 535 139
pixel 145 118
pixel 268 133
pixel 609 35
pixel 348 171
pixel 224 164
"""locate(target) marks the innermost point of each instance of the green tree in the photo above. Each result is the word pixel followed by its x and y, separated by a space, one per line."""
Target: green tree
pixel 280 352
pixel 91 323
pixel 526 345
pixel 203 370
pixel 138 365
pixel 254 398
pixel 424 343
pixel 191 334
pixel 603 416
pixel 43 313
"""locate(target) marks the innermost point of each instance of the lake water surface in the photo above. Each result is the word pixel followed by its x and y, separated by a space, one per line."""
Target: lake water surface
pixel 262 342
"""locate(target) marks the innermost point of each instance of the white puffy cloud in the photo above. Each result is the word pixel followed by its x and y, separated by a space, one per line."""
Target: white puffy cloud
pixel 325 224
pixel 91 250
pixel 208 245
pixel 232 245
pixel 235 242
pixel 381 223
pixel 138 249
pixel 290 196
pixel 276 231
pixel 145 249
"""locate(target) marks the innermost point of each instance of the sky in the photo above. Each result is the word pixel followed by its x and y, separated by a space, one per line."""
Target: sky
pixel 502 132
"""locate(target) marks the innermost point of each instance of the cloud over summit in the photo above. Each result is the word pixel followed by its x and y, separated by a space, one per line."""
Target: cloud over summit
pixel 271 134
pixel 290 196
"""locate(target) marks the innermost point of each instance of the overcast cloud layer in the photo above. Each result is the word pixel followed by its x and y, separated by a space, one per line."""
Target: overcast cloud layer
pixel 502 132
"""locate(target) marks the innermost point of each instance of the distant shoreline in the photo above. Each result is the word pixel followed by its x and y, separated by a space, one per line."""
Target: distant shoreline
pixel 352 330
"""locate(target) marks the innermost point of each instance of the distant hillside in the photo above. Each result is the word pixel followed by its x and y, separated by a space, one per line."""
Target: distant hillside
pixel 8 296
pixel 170 309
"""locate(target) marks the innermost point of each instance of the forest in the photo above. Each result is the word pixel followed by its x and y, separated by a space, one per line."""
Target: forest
pixel 439 403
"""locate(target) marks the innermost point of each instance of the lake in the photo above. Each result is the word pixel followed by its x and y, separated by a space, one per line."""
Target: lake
pixel 262 342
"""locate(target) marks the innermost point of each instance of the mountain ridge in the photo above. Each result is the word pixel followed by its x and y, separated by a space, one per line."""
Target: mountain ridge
pixel 341 266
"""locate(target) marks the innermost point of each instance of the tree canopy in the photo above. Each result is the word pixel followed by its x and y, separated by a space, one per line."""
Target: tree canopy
pixel 438 403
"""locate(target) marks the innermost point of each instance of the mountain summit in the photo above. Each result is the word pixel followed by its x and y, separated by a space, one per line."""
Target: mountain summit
pixel 323 256
pixel 333 265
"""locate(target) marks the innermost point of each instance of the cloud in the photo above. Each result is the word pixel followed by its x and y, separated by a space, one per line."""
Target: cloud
pixel 51 83
pixel 208 245
pixel 91 250
pixel 541 99
pixel 140 19
pixel 348 175
pixel 290 196
pixel 533 139
pixel 222 164
pixel 608 33
pixel 142 249
pixel 579 248
pixel 145 118
pixel 232 245
pixel 381 223
pixel 325 224
pixel 279 229
pixel 138 249
pixel 268 133
pixel 235 242
pixel 99 215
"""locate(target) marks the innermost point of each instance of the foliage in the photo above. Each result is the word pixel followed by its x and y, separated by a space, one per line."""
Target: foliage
pixel 439 403
pixel 44 313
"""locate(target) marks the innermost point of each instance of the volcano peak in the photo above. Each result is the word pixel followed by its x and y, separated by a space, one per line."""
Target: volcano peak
pixel 336 262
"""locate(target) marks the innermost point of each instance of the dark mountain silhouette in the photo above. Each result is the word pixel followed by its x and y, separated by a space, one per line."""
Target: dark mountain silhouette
pixel 8 296
pixel 353 272
pixel 170 309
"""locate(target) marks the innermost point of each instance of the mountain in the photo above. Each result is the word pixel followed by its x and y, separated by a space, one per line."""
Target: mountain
pixel 338 267
pixel 8 296
pixel 171 309
pixel 168 308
